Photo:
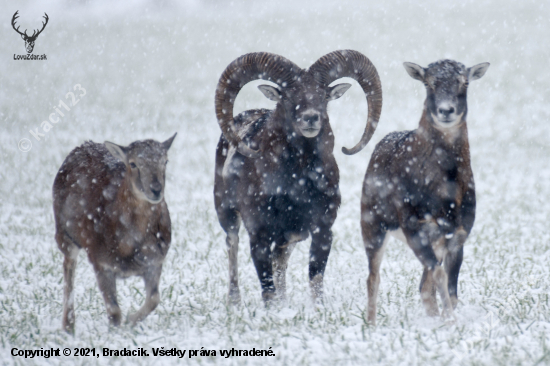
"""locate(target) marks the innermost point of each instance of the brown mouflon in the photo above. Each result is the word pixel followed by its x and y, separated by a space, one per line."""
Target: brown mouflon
pixel 419 186
pixel 109 200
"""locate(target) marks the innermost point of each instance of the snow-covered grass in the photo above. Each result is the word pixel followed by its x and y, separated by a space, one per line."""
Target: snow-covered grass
pixel 150 69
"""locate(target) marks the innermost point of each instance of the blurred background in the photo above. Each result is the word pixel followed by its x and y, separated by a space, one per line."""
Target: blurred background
pixel 150 68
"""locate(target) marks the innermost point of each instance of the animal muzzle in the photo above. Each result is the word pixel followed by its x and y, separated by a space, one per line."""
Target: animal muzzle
pixel 446 114
pixel 309 124
pixel 156 190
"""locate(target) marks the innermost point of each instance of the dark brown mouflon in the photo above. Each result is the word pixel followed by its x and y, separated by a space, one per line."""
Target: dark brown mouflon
pixel 275 169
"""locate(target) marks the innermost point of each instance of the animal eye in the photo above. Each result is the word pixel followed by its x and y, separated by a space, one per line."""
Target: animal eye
pixel 132 165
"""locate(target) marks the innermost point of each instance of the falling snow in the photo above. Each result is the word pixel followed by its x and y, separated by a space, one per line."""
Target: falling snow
pixel 150 69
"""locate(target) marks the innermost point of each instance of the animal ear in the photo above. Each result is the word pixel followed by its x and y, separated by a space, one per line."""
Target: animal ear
pixel 414 70
pixel 477 71
pixel 23 36
pixel 336 91
pixel 116 150
pixel 166 144
pixel 270 92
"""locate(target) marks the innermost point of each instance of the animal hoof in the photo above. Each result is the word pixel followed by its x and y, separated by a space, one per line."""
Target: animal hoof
pixel 234 298
pixel 449 319
pixel 114 319
pixel 318 301
pixel 270 298
pixel 454 301
pixel 448 316
pixel 432 312
pixel 69 329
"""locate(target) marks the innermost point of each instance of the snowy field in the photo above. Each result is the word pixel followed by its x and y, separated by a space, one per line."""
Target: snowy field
pixel 150 69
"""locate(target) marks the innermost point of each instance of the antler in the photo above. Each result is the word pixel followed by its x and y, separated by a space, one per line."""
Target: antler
pixel 15 16
pixel 43 25
pixel 34 34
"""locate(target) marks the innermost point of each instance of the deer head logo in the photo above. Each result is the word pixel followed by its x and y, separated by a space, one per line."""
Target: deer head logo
pixel 29 40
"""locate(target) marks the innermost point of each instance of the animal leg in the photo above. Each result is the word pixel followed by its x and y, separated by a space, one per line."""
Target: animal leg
pixel 232 241
pixel 440 279
pixel 374 241
pixel 69 267
pixel 427 293
pixel 107 285
pixel 321 243
pixel 231 222
pixel 453 262
pixel 425 246
pixel 260 251
pixel 152 299
pixel 280 264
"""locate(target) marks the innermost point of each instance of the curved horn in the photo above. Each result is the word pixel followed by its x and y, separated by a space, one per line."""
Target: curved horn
pixel 355 65
pixel 249 67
